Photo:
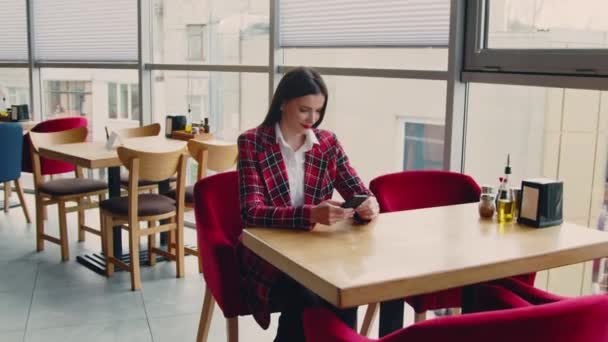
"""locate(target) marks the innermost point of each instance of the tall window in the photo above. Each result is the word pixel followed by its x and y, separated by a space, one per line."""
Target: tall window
pixel 196 42
pixel 123 101
pixel 423 146
pixel 112 101
pixel 68 98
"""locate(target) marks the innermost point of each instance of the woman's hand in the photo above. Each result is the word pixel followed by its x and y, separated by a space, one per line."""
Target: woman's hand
pixel 368 209
pixel 329 212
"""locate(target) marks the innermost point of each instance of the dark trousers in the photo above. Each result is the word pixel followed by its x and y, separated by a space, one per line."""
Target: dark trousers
pixel 293 298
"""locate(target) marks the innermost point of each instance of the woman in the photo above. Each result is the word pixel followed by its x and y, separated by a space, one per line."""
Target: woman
pixel 288 169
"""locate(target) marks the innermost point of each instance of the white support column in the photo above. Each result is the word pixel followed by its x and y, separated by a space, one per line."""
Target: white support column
pixel 456 95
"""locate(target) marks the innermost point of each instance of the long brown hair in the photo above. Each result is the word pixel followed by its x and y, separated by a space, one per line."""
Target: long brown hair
pixel 296 82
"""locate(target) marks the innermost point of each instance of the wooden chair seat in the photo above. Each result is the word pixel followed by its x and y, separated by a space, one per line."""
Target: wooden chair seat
pixel 149 205
pixel 124 181
pixel 72 186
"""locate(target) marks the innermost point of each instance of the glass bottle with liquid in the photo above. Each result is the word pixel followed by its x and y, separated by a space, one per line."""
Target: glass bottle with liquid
pixel 505 204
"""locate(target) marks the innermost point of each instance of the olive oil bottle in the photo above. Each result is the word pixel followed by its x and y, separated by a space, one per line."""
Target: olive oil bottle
pixel 505 206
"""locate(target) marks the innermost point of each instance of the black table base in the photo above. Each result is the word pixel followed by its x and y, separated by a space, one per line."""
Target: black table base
pixel 96 262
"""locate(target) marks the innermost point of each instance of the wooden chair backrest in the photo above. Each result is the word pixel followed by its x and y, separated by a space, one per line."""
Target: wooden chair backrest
pixel 152 166
pixel 212 156
pixel 40 139
pixel 144 131
pixel 55 138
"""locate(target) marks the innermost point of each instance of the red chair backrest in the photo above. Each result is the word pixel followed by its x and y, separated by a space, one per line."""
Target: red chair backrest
pixel 48 166
pixel 409 190
pixel 218 227
pixel 577 319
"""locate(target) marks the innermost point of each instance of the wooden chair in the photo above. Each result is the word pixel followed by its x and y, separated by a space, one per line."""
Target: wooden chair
pixel 138 132
pixel 209 155
pixel 60 191
pixel 132 209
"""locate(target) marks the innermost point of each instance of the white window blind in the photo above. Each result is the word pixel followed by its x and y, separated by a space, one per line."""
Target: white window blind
pixel 85 30
pixel 13 31
pixel 322 23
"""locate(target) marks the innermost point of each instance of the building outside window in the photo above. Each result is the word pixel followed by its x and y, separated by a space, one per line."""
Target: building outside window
pixel 196 42
pixel 67 98
pixel 422 146
pixel 123 101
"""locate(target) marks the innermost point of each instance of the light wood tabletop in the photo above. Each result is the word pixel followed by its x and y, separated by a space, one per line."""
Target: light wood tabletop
pixel 419 251
pixel 94 155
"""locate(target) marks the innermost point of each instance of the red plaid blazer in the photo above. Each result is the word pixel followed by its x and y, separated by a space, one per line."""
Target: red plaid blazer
pixel 265 200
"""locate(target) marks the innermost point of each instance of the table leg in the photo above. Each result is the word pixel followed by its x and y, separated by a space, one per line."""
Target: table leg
pixel 163 188
pixel 391 316
pixel 468 299
pixel 96 261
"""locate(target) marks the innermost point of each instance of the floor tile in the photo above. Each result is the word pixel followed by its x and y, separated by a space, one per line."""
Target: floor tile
pixel 14 308
pixel 124 331
pixel 76 306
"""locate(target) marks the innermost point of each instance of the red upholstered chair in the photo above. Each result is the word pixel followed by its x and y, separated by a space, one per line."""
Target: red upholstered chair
pixel 48 166
pixel 411 190
pixel 521 289
pixel 577 319
pixel 218 226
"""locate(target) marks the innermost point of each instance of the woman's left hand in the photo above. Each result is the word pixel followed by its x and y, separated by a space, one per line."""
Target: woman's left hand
pixel 368 209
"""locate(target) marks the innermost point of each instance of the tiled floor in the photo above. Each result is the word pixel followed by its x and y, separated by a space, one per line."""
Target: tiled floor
pixel 44 299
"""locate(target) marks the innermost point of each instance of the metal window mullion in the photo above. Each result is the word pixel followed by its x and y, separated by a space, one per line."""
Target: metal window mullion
pixel 34 71
pixel 456 94
pixel 436 75
pixel 275 53
pixel 208 67
pixel 144 57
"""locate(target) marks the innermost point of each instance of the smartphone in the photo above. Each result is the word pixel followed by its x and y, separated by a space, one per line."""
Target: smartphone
pixel 354 202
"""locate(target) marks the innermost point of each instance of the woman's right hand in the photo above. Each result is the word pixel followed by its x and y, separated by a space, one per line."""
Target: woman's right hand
pixel 329 212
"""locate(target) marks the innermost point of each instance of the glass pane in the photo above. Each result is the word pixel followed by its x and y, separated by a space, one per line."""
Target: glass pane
pixel 233 102
pixel 211 31
pixel 92 93
pixel 135 102
pixel 549 132
pixel 368 115
pixel 395 58
pixel 112 101
pixel 124 100
pixel 548 24
pixel 423 149
pixel 14 87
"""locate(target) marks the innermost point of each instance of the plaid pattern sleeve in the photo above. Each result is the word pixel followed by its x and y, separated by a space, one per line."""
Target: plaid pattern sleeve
pixel 264 188
pixel 347 182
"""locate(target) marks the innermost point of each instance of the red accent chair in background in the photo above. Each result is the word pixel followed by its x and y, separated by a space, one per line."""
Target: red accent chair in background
pixel 577 319
pixel 219 226
pixel 48 166
pixel 411 190
pixel 526 292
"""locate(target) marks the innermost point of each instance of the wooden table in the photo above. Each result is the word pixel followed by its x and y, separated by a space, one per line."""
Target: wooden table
pixel 94 155
pixel 420 251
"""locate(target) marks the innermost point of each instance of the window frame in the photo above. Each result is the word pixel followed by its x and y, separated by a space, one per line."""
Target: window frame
pixel 478 57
